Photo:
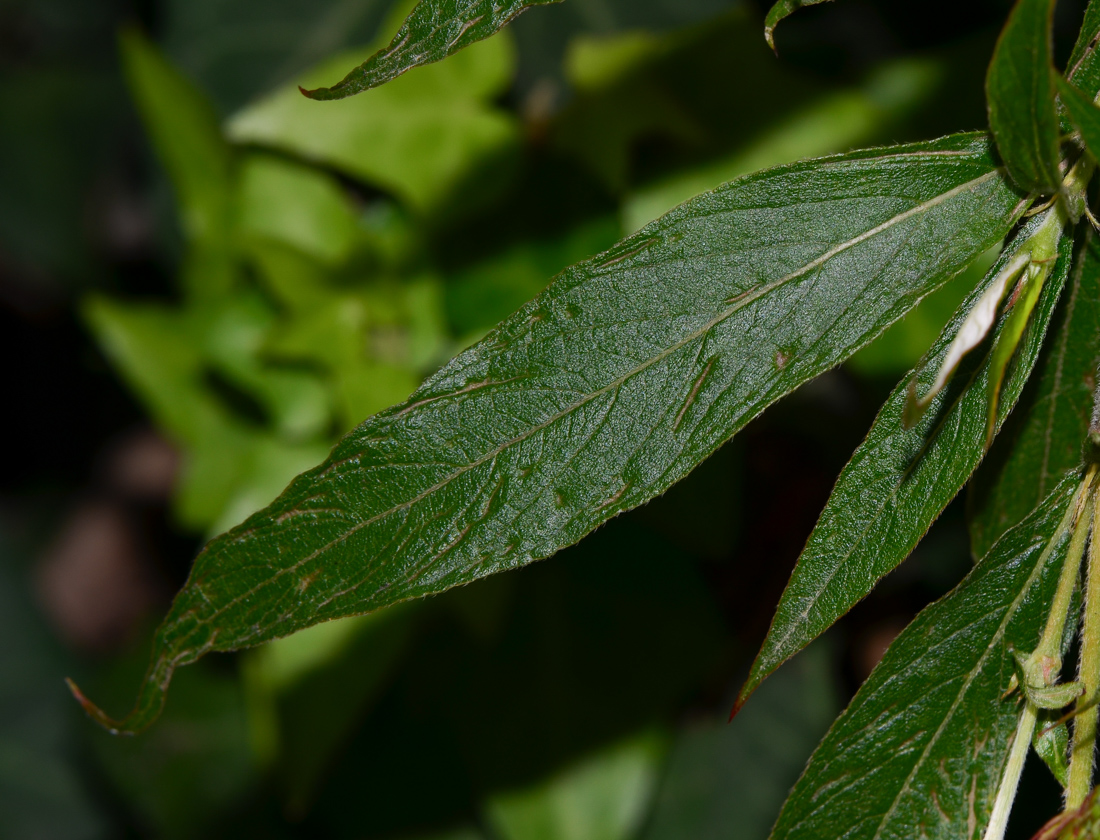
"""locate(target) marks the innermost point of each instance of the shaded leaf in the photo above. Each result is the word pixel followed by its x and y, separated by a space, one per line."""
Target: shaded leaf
pixel 1083 67
pixel 1043 439
pixel 780 10
pixel 924 741
pixel 626 372
pixel 899 480
pixel 1083 112
pixel 1020 94
pixel 433 30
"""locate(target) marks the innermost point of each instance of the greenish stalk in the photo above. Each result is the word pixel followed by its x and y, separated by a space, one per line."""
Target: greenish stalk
pixel 1077 520
pixel 1083 753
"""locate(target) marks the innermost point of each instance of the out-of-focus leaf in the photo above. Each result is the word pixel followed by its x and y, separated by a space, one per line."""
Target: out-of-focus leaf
pixel 727 781
pixel 899 480
pixel 1020 93
pixel 307 691
pixel 925 740
pixel 833 124
pixel 485 293
pixel 189 142
pixel 782 9
pixel 1083 112
pixel 604 797
pixel 41 790
pixel 432 31
pixel 193 769
pixel 418 137
pixel 1043 439
pixel 297 205
pixel 614 383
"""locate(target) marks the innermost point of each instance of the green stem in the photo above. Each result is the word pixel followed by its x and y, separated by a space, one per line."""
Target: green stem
pixel 1082 755
pixel 1050 646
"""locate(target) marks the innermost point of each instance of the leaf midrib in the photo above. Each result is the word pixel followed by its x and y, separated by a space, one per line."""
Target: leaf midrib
pixel 754 295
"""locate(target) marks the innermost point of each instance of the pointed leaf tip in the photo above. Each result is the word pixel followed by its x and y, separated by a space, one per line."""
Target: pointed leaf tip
pixel 782 9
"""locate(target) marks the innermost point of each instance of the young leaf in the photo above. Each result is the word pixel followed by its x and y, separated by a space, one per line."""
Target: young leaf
pixel 626 372
pixel 782 9
pixel 1043 438
pixel 1020 92
pixel 899 480
pixel 924 741
pixel 1085 114
pixel 432 31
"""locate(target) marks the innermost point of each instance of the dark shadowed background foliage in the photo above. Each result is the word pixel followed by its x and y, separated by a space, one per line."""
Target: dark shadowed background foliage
pixel 583 698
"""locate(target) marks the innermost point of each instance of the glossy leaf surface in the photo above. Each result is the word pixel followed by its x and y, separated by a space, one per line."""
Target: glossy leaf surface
pixel 1043 438
pixel 626 372
pixel 1020 94
pixel 434 30
pixel 782 9
pixel 898 482
pixel 924 740
pixel 1083 67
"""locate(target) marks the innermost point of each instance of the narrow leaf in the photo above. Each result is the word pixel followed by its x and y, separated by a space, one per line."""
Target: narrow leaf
pixel 1051 742
pixel 611 385
pixel 1020 93
pixel 1083 68
pixel 924 741
pixel 1085 114
pixel 782 9
pixel 432 31
pixel 898 481
pixel 1043 438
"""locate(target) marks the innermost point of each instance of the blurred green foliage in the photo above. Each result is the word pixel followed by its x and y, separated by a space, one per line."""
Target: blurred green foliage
pixel 327 256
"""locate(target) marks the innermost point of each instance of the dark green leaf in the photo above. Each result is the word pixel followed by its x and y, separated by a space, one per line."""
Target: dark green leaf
pixel 1044 437
pixel 1020 92
pixel 899 480
pixel 925 739
pixel 1085 114
pixel 434 30
pixel 624 374
pixel 782 9
pixel 1083 68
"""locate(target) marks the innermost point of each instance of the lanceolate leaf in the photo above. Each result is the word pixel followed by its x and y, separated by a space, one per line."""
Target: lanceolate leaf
pixel 782 9
pixel 1020 92
pixel 1085 115
pixel 899 480
pixel 434 30
pixel 1083 68
pixel 921 748
pixel 626 372
pixel 1043 438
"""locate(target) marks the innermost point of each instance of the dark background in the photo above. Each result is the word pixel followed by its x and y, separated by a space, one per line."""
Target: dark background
pixel 619 657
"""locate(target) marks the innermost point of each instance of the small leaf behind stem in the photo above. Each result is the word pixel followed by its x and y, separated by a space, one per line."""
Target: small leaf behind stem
pixel 1020 93
pixel 1043 437
pixel 432 31
pixel 925 739
pixel 625 373
pixel 899 480
pixel 1083 112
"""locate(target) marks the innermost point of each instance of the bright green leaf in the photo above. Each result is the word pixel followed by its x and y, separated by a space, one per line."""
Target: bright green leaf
pixel 297 205
pixel 1083 68
pixel 434 30
pixel 925 740
pixel 782 9
pixel 1083 112
pixel 1043 438
pixel 417 137
pixel 899 480
pixel 616 381
pixel 604 797
pixel 1020 93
